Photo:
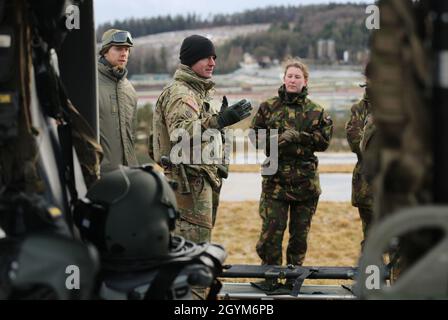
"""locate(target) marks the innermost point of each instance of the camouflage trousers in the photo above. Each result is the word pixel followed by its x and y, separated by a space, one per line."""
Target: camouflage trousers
pixel 197 216
pixel 196 210
pixel 366 215
pixel 274 215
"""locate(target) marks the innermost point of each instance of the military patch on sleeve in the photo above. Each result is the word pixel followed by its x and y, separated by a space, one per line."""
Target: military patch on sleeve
pixel 189 101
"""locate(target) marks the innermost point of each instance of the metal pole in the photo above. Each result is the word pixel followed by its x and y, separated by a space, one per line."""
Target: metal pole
pixel 440 99
pixel 78 66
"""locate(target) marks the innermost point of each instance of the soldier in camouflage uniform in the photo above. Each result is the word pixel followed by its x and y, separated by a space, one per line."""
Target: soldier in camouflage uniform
pixel 361 187
pixel 183 105
pixel 117 102
pixel 303 127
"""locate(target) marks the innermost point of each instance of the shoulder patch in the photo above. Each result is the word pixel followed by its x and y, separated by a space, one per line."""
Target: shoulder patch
pixel 189 101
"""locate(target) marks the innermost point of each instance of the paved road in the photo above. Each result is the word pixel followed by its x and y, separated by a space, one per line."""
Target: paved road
pixel 247 186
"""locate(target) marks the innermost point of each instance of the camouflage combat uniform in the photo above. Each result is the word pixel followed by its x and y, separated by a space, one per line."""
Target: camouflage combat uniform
pixel 369 150
pixel 361 188
pixel 118 118
pixel 182 104
pixel 296 184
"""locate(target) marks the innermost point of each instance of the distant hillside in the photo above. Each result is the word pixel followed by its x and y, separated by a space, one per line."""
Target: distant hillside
pixel 291 30
pixel 343 24
pixel 159 53
pixel 146 26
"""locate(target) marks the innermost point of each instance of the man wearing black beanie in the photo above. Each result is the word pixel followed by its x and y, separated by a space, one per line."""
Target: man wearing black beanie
pixel 195 48
pixel 184 105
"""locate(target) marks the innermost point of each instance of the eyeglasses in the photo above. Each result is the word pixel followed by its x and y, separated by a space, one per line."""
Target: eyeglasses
pixel 122 37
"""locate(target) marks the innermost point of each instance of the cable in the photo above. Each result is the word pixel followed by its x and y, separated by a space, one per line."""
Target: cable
pixel 128 186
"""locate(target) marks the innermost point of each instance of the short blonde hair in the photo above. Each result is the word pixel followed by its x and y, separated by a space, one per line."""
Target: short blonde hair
pixel 293 62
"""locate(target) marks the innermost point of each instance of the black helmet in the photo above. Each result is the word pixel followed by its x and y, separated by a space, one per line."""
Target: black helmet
pixel 128 215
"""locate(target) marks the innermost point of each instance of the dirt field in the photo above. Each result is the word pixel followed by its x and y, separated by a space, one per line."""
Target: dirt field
pixel 326 168
pixel 334 237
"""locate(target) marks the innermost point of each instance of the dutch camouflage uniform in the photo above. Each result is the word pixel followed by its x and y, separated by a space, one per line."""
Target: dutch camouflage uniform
pixel 183 104
pixel 368 145
pixel 361 188
pixel 295 186
pixel 118 118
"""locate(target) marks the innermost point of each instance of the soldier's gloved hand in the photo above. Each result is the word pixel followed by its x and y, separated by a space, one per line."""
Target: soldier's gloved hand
pixel 305 138
pixel 235 113
pixel 224 104
pixel 290 135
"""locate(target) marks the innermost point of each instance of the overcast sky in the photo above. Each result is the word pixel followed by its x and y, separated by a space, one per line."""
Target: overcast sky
pixel 110 10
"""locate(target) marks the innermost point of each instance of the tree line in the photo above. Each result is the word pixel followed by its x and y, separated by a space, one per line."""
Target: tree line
pixel 294 31
pixel 345 24
pixel 145 26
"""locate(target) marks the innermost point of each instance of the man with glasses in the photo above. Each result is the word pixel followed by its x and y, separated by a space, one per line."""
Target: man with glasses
pixel 117 101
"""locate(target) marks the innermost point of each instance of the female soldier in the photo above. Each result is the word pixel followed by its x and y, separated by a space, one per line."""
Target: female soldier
pixel 303 128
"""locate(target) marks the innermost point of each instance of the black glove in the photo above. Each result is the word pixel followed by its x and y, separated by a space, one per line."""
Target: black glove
pixel 224 104
pixel 235 113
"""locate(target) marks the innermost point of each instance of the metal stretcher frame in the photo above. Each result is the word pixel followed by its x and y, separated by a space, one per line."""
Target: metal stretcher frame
pixel 232 290
pixel 245 291
pixel 287 272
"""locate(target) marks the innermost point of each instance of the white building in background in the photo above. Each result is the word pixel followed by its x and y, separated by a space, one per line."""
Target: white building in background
pixel 248 59
pixel 326 50
pixel 331 50
pixel 321 49
pixel 346 56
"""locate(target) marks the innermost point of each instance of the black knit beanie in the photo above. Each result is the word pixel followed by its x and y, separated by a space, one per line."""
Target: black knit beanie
pixel 195 48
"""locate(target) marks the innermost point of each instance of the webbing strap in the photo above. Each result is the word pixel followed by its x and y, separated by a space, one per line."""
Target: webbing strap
pixel 163 281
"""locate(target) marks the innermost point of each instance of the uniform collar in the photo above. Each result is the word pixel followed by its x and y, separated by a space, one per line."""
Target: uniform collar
pixel 201 85
pixel 106 68
pixel 292 98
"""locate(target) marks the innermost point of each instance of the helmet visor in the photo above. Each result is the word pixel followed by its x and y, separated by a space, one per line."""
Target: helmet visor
pixel 122 37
